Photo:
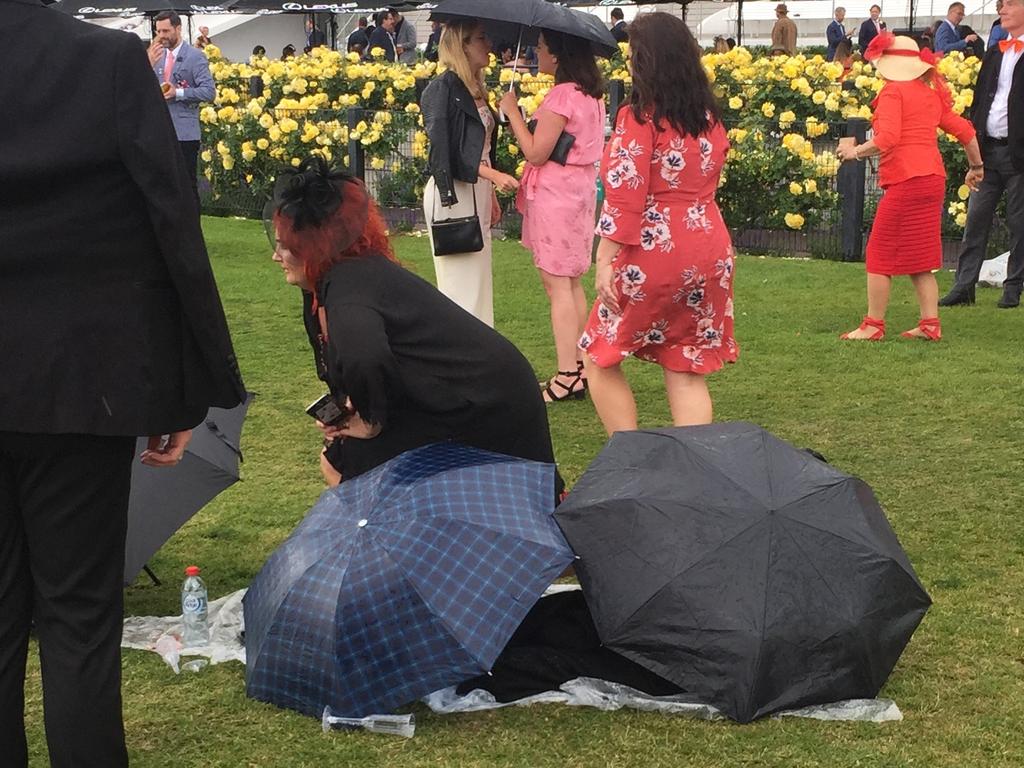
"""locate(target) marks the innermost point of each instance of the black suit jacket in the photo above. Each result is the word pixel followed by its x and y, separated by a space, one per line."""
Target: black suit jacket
pixel 110 321
pixel 619 32
pixel 985 91
pixel 381 38
pixel 866 35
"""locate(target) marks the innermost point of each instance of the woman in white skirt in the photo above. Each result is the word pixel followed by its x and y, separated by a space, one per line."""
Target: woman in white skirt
pixel 461 126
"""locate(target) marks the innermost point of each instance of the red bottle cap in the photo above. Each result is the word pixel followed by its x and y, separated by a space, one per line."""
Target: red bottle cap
pixel 192 570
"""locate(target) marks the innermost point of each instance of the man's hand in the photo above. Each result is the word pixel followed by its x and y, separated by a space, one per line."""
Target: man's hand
pixel 169 91
pixel 165 450
pixel 156 51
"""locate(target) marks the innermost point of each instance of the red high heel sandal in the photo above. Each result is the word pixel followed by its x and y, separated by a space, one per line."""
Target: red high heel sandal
pixel 930 330
pixel 867 323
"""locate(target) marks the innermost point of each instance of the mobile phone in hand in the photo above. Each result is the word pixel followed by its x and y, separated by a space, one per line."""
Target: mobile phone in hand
pixel 327 410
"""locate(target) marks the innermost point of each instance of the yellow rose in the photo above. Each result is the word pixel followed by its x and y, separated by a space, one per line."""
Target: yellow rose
pixel 377 164
pixel 794 221
pixel 262 143
pixel 963 192
pixel 513 150
pixel 206 155
pixel 795 188
pixel 961 219
pixel 735 103
pixel 296 161
pixel 768 109
pixel 810 186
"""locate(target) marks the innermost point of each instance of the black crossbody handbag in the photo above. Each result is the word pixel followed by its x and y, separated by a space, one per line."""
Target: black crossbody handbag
pixel 457 235
pixel 561 151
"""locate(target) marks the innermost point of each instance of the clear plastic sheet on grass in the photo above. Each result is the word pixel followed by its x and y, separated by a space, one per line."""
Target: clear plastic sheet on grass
pixel 601 694
pixel 162 634
pixel 226 644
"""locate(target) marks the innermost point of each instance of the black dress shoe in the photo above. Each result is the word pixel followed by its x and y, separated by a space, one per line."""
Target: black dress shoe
pixel 956 297
pixel 1010 299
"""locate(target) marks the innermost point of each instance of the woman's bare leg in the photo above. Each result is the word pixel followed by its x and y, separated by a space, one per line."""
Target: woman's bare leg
pixel 612 397
pixel 878 302
pixel 688 398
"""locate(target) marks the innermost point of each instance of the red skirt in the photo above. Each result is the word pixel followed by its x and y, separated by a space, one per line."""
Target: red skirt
pixel 906 236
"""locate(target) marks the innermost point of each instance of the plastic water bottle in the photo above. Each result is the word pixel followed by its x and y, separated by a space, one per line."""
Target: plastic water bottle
pixel 392 725
pixel 193 610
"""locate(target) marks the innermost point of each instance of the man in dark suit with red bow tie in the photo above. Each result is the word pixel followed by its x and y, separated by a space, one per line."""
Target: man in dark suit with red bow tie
pixel 998 117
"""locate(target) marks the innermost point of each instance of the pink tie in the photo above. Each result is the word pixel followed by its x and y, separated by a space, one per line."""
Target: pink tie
pixel 168 65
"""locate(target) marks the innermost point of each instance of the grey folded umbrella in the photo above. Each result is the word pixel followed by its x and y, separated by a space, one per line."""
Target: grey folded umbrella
pixel 164 498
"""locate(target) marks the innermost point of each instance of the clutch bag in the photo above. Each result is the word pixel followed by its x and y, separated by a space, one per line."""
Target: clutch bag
pixel 561 151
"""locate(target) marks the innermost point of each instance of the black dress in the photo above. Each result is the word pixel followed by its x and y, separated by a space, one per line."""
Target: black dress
pixel 423 368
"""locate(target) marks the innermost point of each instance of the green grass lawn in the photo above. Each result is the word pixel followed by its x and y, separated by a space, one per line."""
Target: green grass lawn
pixel 934 428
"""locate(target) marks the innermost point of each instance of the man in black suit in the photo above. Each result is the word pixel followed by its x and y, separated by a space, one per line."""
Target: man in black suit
pixel 870 28
pixel 998 117
pixel 383 36
pixel 618 29
pixel 110 327
pixel 358 40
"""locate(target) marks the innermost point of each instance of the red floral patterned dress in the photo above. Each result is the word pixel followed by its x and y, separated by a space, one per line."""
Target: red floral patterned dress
pixel 674 271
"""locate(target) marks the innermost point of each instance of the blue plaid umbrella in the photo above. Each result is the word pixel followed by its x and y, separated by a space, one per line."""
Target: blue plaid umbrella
pixel 402 581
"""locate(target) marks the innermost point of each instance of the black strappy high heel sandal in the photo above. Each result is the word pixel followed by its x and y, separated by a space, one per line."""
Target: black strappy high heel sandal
pixel 583 377
pixel 574 390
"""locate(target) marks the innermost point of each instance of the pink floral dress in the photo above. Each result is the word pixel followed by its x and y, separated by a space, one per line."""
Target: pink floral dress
pixel 558 202
pixel 674 271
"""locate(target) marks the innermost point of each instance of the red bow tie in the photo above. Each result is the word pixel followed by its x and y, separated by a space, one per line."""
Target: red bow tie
pixel 1011 45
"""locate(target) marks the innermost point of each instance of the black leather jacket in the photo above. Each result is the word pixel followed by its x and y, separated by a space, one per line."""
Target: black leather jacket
pixel 456 134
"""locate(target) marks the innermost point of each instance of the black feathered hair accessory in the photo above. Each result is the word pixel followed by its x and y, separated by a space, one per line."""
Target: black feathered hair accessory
pixel 315 196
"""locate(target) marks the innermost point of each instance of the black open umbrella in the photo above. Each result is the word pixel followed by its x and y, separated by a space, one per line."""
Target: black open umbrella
pixel 748 572
pixel 111 8
pixel 523 19
pixel 164 498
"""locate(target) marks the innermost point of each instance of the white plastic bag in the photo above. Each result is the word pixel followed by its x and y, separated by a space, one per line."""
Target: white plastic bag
pixel 993 271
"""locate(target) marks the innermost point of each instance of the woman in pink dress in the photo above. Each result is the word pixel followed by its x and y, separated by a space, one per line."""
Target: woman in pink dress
pixel 665 260
pixel 558 202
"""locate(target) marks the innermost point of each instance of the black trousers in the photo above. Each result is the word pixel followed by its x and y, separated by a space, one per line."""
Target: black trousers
pixel 190 151
pixel 63 519
pixel 1000 178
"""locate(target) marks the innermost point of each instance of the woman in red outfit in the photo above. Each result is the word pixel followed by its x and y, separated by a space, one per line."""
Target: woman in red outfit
pixel 905 236
pixel 665 261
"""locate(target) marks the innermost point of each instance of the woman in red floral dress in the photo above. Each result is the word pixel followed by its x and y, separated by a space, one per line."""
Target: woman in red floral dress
pixel 665 261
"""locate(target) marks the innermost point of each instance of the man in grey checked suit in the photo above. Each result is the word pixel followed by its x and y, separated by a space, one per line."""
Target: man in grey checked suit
pixel 185 79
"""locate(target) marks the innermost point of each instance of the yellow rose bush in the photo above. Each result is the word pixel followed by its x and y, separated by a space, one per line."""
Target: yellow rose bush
pixel 782 113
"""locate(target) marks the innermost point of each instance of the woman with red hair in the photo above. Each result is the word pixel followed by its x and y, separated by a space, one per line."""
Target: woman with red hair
pixel 404 364
pixel 906 233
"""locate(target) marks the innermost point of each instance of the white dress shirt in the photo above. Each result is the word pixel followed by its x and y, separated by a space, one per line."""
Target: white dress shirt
pixel 997 125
